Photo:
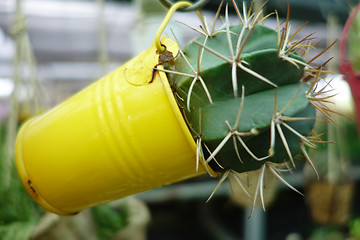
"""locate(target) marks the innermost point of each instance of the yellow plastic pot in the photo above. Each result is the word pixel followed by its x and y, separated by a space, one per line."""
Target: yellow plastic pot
pixel 120 136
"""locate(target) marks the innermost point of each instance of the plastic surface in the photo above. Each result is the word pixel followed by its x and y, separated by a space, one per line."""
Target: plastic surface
pixel 120 136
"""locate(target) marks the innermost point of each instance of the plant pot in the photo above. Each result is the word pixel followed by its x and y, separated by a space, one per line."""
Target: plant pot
pixel 330 203
pixel 122 135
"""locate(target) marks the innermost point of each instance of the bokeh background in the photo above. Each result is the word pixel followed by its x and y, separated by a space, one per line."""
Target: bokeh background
pixel 50 49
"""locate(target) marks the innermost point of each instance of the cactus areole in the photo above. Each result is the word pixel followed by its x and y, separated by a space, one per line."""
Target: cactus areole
pixel 243 100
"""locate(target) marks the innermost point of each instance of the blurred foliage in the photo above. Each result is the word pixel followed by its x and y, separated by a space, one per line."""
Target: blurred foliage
pixel 327 233
pixel 343 146
pixel 109 220
pixel 354 228
pixel 18 212
pixel 353 43
pixel 347 139
pixel 352 146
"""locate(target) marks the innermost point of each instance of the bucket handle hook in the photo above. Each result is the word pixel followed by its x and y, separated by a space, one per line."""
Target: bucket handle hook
pixel 181 6
pixel 196 6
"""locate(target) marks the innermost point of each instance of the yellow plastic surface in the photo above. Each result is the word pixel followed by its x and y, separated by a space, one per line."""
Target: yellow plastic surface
pixel 120 136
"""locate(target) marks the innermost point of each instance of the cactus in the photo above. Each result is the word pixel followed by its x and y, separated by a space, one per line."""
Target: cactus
pixel 246 94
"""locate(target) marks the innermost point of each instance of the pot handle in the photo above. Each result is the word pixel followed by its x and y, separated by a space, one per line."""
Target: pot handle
pixel 179 5
pixel 196 6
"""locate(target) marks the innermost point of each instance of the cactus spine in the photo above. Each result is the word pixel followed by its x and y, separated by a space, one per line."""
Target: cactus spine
pixel 246 95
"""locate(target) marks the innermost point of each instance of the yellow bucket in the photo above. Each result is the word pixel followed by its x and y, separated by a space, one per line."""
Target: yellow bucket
pixel 120 136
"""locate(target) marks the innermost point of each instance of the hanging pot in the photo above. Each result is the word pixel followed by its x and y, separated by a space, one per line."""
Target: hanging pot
pixel 330 203
pixel 122 135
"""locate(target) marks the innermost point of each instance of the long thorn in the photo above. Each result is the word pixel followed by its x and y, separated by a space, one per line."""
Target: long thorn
pixel 261 179
pixel 219 147
pixel 272 138
pixel 236 149
pixel 208 150
pixel 299 135
pixel 206 164
pixel 285 143
pixel 283 180
pixel 234 79
pixel 321 53
pixel 297 31
pixel 243 42
pixel 228 37
pixel 214 52
pixel 240 107
pixel 234 174
pixel 238 13
pixel 189 92
pixel 254 200
pixel 303 150
pixel 198 152
pixel 224 176
pixel 290 102
pixel 216 17
pixel 250 152
pixel 207 92
pixel 255 74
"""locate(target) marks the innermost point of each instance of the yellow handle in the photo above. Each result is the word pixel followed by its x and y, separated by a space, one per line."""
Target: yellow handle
pixel 172 10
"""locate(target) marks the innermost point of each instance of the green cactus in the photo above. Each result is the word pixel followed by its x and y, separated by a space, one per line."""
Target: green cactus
pixel 245 94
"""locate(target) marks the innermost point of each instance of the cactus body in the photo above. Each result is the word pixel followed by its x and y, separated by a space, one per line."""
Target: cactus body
pixel 250 98
pixel 212 107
